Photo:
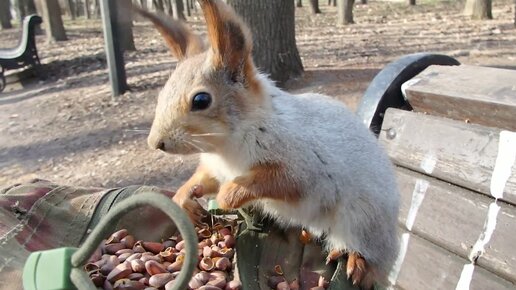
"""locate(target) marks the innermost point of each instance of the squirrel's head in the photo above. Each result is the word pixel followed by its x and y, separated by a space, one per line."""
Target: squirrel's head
pixel 213 90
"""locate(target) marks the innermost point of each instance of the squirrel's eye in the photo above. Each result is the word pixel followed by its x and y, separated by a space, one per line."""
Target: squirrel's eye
pixel 201 101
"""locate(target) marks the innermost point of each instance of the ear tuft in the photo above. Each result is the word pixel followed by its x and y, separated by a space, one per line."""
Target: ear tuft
pixel 230 40
pixel 181 41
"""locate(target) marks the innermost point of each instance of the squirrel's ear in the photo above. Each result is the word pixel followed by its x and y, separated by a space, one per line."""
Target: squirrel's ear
pixel 230 40
pixel 181 41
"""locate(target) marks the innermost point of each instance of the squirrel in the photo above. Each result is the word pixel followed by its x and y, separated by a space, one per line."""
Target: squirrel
pixel 305 160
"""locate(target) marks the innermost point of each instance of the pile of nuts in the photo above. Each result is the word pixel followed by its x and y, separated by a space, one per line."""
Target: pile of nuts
pixel 121 262
pixel 278 281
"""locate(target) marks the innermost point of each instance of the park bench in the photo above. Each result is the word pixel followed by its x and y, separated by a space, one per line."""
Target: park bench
pixel 25 53
pixel 450 131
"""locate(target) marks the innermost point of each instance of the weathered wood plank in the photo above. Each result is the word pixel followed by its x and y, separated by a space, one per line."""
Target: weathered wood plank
pixel 453 218
pixel 427 266
pixel 481 95
pixel 463 154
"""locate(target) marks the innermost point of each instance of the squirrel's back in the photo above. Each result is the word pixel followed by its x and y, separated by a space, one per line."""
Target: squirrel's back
pixel 344 170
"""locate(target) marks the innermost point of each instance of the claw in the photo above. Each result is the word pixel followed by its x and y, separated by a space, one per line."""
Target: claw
pixel 356 268
pixel 196 191
pixel 333 255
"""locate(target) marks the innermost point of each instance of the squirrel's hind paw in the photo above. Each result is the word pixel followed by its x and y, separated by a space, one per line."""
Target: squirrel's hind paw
pixel 360 273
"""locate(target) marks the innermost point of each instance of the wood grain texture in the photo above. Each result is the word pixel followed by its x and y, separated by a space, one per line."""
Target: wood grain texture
pixel 453 218
pixel 481 95
pixel 460 153
pixel 427 266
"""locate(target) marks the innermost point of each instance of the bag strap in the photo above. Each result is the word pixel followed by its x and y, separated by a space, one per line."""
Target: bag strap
pixel 73 260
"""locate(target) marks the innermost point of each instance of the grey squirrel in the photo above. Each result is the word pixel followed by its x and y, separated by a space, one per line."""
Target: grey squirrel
pixel 305 160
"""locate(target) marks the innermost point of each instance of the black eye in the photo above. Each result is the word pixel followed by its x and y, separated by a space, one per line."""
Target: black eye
pixel 201 101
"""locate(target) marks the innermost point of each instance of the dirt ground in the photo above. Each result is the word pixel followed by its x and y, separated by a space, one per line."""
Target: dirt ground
pixel 67 128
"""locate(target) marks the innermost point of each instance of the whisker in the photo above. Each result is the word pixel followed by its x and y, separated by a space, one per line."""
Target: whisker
pixel 202 143
pixel 195 146
pixel 208 134
pixel 189 145
pixel 137 130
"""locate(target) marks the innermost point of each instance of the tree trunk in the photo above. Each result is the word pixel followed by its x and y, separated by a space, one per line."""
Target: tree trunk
pixel 70 8
pixel 30 8
pixel 77 9
pixel 334 3
pixel 188 11
pixel 345 12
pixel 52 20
pixel 87 14
pixel 158 5
pixel 177 7
pixel 299 3
pixel 5 14
pixel 364 2
pixel 412 2
pixel 167 5
pixel 478 9
pixel 125 24
pixel 96 9
pixel 314 6
pixel 272 24
pixel 20 9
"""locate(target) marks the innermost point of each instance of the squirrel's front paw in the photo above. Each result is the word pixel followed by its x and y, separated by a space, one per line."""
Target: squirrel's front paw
pixel 194 210
pixel 231 196
pixel 183 198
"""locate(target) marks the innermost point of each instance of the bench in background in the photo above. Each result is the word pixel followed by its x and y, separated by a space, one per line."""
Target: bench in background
pixel 449 129
pixel 25 53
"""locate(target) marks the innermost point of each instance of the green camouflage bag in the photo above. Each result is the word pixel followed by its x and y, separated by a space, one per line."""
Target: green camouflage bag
pixel 41 215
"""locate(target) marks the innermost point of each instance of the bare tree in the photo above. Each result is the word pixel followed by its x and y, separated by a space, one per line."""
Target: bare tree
pixel 272 24
pixel 332 2
pixel 478 9
pixel 188 11
pixel 125 24
pixel 52 20
pixel 158 5
pixel 167 5
pixel 96 9
pixel 20 9
pixel 30 7
pixel 70 8
pixel 345 12
pixel 314 6
pixel 86 7
pixel 299 3
pixel 412 2
pixel 178 9
pixel 5 14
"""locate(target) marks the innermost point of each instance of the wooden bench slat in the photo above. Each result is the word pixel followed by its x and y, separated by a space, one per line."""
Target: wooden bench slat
pixel 460 153
pixel 482 95
pixel 427 266
pixel 453 218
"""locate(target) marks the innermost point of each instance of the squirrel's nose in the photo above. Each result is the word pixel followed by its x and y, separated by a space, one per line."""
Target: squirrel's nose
pixel 156 142
pixel 161 146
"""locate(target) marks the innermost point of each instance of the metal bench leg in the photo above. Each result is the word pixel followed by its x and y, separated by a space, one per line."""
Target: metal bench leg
pixel 3 83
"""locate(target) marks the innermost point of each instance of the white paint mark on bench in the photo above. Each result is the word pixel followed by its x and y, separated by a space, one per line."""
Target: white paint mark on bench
pixel 395 271
pixel 418 195
pixel 465 277
pixel 408 84
pixel 489 227
pixel 428 163
pixel 501 173
pixel 504 161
